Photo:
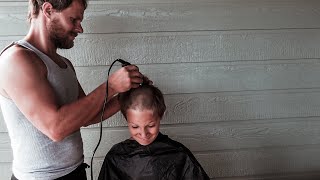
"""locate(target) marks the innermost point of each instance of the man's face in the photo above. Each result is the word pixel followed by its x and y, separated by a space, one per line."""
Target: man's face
pixel 143 125
pixel 65 25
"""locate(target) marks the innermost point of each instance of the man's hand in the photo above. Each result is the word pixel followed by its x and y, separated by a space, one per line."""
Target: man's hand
pixel 125 78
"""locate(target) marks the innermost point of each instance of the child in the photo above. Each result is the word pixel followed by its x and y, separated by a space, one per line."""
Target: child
pixel 148 154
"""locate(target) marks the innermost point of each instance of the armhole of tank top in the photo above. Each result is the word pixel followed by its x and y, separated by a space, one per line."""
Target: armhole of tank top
pixel 1 52
pixel 68 63
pixel 37 54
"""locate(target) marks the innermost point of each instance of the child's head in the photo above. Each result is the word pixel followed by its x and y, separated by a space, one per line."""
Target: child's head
pixel 143 108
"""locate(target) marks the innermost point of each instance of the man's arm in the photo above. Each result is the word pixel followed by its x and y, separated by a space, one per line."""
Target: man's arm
pixel 112 107
pixel 23 79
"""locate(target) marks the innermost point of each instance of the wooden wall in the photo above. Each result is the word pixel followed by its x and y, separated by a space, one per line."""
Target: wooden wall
pixel 240 78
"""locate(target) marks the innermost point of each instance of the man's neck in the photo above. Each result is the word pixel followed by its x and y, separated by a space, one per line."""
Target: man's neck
pixel 38 36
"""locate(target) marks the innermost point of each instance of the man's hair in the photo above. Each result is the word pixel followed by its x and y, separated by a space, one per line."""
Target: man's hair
pixel 145 97
pixel 59 5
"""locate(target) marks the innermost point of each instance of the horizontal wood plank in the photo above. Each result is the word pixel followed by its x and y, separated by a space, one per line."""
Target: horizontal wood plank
pixel 232 106
pixel 189 47
pixel 4 141
pixel 218 77
pixel 219 136
pixel 5 170
pixel 241 163
pixel 248 162
pixel 5 148
pixel 6 155
pixel 3 127
pixel 203 16
pixel 105 17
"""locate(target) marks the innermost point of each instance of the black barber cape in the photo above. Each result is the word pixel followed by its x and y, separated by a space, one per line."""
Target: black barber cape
pixel 163 159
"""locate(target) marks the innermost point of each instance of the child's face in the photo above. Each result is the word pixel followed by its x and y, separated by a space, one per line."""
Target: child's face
pixel 143 125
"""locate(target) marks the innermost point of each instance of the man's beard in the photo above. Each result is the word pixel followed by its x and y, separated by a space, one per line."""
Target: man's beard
pixel 59 37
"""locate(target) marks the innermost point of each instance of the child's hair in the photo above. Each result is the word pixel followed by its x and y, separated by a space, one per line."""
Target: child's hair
pixel 145 97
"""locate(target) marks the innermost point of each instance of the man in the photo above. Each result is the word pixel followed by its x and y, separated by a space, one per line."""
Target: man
pixel 42 102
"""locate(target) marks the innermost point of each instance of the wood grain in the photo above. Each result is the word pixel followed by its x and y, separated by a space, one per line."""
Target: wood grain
pixel 107 17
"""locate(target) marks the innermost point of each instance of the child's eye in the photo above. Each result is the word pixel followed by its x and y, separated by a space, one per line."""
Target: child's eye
pixel 151 125
pixel 134 127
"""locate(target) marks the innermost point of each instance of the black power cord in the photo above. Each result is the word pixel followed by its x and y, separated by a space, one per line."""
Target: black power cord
pixel 124 63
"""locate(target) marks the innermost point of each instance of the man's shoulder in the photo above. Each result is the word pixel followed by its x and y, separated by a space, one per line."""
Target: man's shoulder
pixel 22 60
pixel 17 61
pixel 17 55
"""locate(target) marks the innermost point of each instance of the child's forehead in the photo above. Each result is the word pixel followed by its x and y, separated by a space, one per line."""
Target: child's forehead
pixel 141 115
pixel 141 110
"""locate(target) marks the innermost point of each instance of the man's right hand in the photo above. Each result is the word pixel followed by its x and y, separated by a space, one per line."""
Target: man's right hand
pixel 125 78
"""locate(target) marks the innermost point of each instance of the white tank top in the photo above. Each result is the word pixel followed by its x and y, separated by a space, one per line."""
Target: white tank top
pixel 35 156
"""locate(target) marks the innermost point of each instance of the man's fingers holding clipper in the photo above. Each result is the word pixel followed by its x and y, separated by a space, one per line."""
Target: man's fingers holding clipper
pixel 136 77
pixel 132 68
pixel 134 74
pixel 125 78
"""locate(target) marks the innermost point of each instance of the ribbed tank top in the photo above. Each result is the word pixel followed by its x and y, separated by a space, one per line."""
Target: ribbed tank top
pixel 35 156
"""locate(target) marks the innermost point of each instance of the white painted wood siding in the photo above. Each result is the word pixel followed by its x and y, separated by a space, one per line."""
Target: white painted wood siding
pixel 240 78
